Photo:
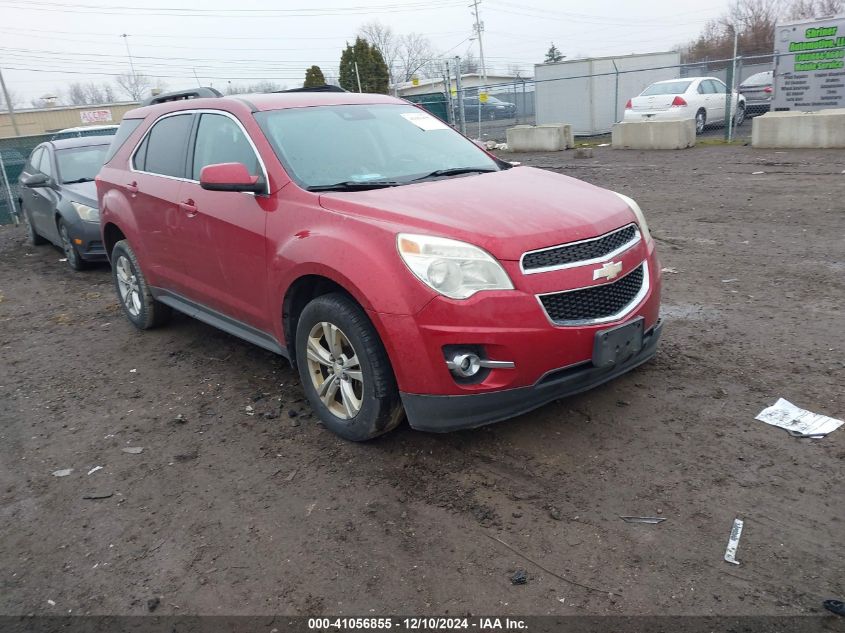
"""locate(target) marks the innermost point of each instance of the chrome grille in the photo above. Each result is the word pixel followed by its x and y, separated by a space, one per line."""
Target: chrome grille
pixel 597 304
pixel 581 252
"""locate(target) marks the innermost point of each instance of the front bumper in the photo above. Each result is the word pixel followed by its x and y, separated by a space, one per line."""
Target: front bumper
pixel 90 242
pixel 450 413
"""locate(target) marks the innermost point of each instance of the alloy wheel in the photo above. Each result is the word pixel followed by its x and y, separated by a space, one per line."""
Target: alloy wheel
pixel 335 370
pixel 699 122
pixel 127 284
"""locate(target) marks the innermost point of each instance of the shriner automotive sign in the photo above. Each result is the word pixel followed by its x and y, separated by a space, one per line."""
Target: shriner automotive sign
pixel 810 65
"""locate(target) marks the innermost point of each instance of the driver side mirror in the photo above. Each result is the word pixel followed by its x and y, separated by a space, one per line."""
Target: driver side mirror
pixel 35 180
pixel 230 177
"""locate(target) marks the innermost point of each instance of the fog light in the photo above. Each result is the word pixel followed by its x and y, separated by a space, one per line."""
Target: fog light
pixel 465 364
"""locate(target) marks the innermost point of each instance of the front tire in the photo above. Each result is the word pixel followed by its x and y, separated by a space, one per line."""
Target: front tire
pixel 140 308
pixel 74 259
pixel 345 370
pixel 700 122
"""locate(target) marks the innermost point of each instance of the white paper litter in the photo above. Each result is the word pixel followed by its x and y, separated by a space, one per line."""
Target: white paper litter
pixel 62 473
pixel 133 450
pixel 798 422
pixel 424 121
pixel 95 469
pixel 733 542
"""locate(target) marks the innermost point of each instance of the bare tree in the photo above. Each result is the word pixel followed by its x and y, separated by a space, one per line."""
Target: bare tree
pixel 261 86
pixel 13 97
pixel 384 39
pixel 469 63
pixel 808 9
pixel 414 53
pixel 76 94
pixel 135 85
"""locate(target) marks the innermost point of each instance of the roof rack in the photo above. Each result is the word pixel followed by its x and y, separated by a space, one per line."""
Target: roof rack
pixel 180 95
pixel 323 88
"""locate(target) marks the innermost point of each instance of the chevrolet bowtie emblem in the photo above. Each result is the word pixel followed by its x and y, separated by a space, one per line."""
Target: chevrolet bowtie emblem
pixel 608 271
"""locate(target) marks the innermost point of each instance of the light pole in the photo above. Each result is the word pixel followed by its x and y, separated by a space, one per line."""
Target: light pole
pixel 729 98
pixel 125 37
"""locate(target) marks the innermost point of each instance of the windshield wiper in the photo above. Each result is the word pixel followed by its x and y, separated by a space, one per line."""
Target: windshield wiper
pixel 77 181
pixel 355 185
pixel 455 171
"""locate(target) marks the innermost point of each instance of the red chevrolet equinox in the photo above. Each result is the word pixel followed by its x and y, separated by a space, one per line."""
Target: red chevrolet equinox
pixel 400 268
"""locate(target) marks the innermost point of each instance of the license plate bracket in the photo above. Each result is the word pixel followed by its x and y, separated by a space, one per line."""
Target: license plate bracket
pixel 618 344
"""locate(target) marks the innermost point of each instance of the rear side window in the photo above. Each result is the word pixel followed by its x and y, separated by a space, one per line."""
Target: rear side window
pixel 220 140
pixel 127 126
pixel 165 146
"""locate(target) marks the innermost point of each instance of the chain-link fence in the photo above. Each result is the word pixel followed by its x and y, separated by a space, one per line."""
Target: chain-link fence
pixel 14 152
pixel 591 95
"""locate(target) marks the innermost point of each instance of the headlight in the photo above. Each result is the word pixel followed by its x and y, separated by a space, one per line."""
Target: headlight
pixel 454 269
pixel 89 214
pixel 639 214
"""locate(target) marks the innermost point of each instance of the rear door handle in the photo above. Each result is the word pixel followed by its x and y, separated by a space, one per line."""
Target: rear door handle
pixel 132 187
pixel 189 207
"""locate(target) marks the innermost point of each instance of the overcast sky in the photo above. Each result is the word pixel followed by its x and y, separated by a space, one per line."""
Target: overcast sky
pixel 47 44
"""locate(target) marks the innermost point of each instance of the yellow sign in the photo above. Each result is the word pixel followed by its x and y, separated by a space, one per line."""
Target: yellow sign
pixel 482 97
pixel 454 92
pixel 415 80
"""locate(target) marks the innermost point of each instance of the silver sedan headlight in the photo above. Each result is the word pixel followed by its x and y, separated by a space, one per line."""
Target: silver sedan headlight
pixel 89 214
pixel 454 269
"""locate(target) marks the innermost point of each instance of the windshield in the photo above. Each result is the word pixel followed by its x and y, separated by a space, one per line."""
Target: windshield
pixel 79 164
pixel 381 143
pixel 671 88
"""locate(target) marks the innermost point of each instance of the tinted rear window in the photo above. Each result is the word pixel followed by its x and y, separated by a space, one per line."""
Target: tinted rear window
pixel 166 145
pixel 759 79
pixel 671 88
pixel 127 126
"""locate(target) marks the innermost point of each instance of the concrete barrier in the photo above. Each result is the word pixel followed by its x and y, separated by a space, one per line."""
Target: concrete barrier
pixel 540 138
pixel 822 129
pixel 653 134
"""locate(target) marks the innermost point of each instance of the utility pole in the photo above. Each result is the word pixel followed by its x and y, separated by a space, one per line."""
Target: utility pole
pixel 9 105
pixel 358 77
pixel 479 27
pixel 125 37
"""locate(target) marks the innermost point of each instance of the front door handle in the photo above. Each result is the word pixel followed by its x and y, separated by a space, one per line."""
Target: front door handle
pixel 132 187
pixel 189 207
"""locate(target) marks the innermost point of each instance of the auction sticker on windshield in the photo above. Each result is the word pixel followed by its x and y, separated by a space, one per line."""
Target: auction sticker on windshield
pixel 424 121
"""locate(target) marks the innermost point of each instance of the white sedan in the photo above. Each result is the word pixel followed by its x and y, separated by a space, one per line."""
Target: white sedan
pixel 699 98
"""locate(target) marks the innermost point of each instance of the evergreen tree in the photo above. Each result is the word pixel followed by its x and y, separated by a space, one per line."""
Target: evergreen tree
pixel 553 55
pixel 372 69
pixel 314 77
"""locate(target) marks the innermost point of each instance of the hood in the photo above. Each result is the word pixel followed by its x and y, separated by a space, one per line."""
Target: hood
pixel 84 192
pixel 506 212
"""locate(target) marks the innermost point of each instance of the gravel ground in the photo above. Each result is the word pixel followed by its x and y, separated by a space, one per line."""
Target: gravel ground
pixel 229 513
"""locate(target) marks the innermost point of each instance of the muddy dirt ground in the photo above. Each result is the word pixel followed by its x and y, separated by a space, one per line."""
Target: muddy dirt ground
pixel 229 513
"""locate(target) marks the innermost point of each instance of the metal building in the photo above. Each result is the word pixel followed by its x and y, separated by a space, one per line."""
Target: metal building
pixel 590 94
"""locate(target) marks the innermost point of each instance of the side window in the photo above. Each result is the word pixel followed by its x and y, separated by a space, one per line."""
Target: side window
pixel 221 140
pixel 127 126
pixel 718 86
pixel 45 164
pixel 701 88
pixel 165 146
pixel 140 160
pixel 34 160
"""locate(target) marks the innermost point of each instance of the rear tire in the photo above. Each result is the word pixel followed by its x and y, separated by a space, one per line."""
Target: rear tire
pixel 344 369
pixel 739 117
pixel 700 121
pixel 134 295
pixel 31 234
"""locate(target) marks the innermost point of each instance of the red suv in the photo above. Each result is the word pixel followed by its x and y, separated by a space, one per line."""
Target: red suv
pixel 396 264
